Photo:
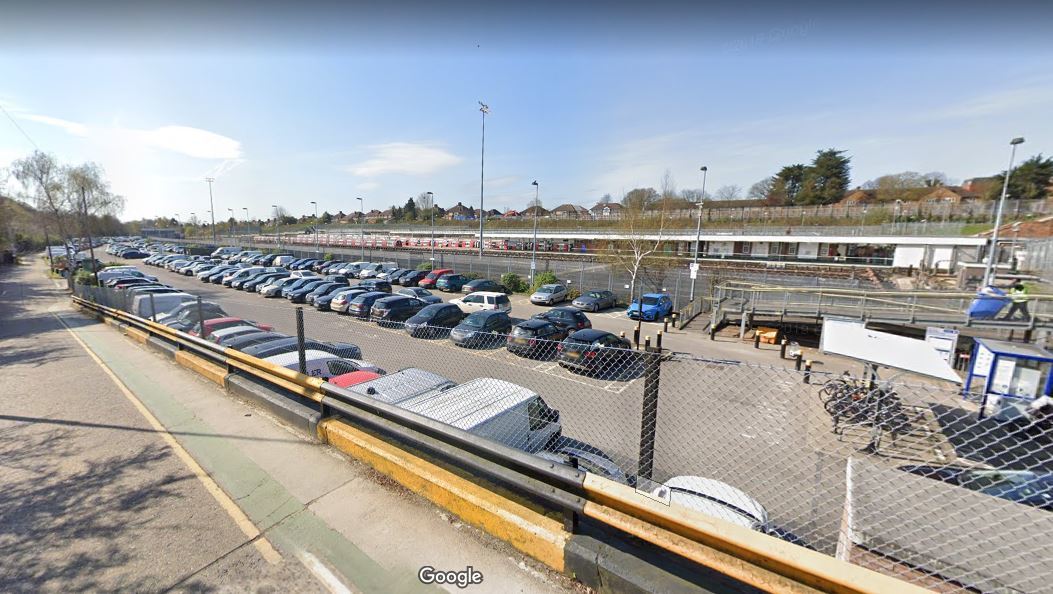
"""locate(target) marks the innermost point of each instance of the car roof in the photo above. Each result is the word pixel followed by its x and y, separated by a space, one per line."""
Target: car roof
pixel 534 323
pixel 716 498
pixel 402 385
pixel 655 295
pixel 487 293
pixel 486 313
pixel 590 334
pixel 469 404
pixel 291 357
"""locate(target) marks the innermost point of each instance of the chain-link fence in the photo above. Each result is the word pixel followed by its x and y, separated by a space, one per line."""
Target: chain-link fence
pixel 905 478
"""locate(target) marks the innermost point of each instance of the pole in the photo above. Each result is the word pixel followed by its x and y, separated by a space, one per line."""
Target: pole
pixel 431 207
pixel 87 232
pixel 698 231
pixel 485 109
pixel 533 246
pixel 277 220
pixel 301 341
pixel 989 270
pixel 649 416
pixel 212 212
pixel 362 226
pixel 247 229
pixel 200 319
pixel 51 256
pixel 317 246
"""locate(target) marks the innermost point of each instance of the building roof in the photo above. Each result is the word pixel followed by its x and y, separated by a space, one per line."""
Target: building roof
pixel 529 211
pixel 613 206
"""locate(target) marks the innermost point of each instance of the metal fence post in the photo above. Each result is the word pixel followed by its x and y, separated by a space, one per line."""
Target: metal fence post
pixel 301 341
pixel 649 417
pixel 200 318
pixel 153 309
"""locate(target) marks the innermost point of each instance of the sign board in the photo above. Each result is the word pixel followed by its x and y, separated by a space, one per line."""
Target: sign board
pixel 694 274
pixel 984 360
pixel 852 339
pixel 945 340
pixel 693 266
pixel 533 265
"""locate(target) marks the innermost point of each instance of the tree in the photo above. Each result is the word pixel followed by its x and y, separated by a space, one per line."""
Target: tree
pixel 44 177
pixel 935 179
pixel 1029 181
pixel 728 193
pixel 640 199
pixel 409 212
pixel 761 189
pixel 787 184
pixel 826 179
pixel 327 218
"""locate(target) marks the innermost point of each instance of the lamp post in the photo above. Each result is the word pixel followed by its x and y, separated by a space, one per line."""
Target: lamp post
pixel 431 207
pixel 485 109
pixel 992 255
pixel 211 206
pixel 533 246
pixel 698 232
pixel 246 218
pixel 230 227
pixel 277 221
pixel 362 225
pixel 895 215
pixel 317 246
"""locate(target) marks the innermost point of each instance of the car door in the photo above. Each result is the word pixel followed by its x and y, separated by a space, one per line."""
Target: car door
pixel 472 303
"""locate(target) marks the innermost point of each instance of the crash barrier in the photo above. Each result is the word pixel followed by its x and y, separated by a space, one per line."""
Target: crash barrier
pixel 435 458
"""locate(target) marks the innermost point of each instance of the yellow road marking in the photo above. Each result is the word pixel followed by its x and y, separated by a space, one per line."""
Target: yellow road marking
pixel 266 550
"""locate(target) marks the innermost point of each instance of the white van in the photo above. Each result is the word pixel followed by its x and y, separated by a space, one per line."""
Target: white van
pixel 494 409
pixel 483 300
pixel 164 302
pixel 283 260
pixel 322 364
pixel 225 252
pixel 402 385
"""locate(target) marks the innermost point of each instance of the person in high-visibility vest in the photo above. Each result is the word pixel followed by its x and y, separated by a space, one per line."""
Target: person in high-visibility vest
pixel 1018 298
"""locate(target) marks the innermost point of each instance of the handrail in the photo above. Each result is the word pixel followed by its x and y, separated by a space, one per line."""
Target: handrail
pixel 751 557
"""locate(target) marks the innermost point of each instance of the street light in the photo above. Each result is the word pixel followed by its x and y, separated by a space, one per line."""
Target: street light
pixel 362 225
pixel 317 246
pixel 895 216
pixel 277 220
pixel 533 246
pixel 230 228
pixel 211 206
pixel 485 109
pixel 431 207
pixel 698 232
pixel 991 256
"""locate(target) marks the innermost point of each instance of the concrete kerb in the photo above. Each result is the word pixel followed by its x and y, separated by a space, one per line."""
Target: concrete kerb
pixel 162 346
pixel 284 405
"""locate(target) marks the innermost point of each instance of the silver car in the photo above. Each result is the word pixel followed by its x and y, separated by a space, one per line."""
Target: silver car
pixel 549 295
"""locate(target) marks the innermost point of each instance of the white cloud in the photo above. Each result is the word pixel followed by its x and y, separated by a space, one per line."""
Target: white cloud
pixel 193 142
pixel 404 157
pixel 367 186
pixel 71 127
pixel 224 167
pixel 996 103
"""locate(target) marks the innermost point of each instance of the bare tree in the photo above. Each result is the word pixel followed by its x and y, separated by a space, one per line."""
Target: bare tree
pixel 728 193
pixel 668 185
pixel 89 193
pixel 424 202
pixel 43 177
pixel 761 189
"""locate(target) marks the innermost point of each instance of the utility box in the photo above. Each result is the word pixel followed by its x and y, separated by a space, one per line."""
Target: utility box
pixel 1009 376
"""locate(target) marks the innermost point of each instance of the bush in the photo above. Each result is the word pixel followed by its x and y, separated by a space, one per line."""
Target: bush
pixel 543 278
pixel 471 275
pixel 84 277
pixel 513 283
pixel 573 294
pixel 328 257
pixel 424 266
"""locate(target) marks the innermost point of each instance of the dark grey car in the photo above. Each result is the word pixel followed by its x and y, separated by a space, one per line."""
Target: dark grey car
pixel 595 300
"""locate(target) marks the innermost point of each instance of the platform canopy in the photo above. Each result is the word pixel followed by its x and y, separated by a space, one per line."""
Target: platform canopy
pixel 851 338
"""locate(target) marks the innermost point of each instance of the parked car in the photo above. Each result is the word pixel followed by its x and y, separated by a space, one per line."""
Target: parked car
pixel 567 317
pixel 223 334
pixel 323 290
pixel 234 275
pixel 395 309
pixel 650 307
pixel 369 270
pixel 224 252
pixel 373 284
pixel 535 338
pixel 549 295
pixel 283 260
pixel 483 284
pixel 402 385
pixel 451 283
pixel 342 299
pixel 412 278
pixel 361 305
pixel 428 281
pixel 484 301
pixel 494 409
pixel 587 457
pixel 322 364
pixel 291 344
pixel 482 329
pixel 214 324
pixel 354 378
pixel 206 275
pixel 596 351
pixel 245 341
pixel 133 254
pixel 275 287
pixel 716 499
pixel 1021 486
pixel 299 295
pixel 143 305
pixel 322 302
pixel 434 320
pixel 262 280
pixel 298 284
pixel 595 301
pixel 391 274
pixel 422 294
pixel 125 282
pixel 189 311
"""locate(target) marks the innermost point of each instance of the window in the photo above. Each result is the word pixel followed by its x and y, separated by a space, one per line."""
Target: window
pixel 502 299
pixel 341 367
pixel 472 299
pixel 489 299
pixel 539 413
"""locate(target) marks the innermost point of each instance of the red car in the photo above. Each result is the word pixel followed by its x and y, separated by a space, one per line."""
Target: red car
pixel 428 282
pixel 221 323
pixel 355 377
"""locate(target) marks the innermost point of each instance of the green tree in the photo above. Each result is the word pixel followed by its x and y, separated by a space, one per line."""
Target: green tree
pixel 787 184
pixel 409 212
pixel 1030 180
pixel 826 179
pixel 326 218
pixel 640 199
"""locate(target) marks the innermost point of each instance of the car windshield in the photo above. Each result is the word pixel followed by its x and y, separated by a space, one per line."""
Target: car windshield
pixel 546 289
pixel 474 321
pixel 650 300
pixel 518 331
pixel 595 295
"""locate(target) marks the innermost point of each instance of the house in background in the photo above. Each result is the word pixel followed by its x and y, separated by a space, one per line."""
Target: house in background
pixel 952 194
pixel 511 214
pixel 570 211
pixel 459 212
pixel 375 216
pixel 534 211
pixel 859 196
pixel 606 210
pixel 980 185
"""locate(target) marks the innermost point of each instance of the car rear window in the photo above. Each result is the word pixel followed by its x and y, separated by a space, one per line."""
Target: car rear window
pixel 502 299
pixel 519 331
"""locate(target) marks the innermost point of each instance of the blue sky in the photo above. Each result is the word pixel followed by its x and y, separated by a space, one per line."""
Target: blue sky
pixel 285 111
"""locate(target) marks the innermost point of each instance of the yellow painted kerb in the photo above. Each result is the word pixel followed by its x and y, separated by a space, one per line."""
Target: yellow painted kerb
pixel 206 368
pixel 536 535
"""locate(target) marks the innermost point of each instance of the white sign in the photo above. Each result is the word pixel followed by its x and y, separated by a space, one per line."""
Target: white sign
pixel 1003 376
pixel 693 266
pixel 984 360
pixel 694 273
pixel 945 340
pixel 533 265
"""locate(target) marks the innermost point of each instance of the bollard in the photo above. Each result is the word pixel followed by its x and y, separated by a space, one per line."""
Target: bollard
pixel 636 337
pixel 756 340
pixel 665 325
pixel 658 341
pixel 807 372
pixel 797 363
pixel 712 332
pixel 647 343
pixel 622 334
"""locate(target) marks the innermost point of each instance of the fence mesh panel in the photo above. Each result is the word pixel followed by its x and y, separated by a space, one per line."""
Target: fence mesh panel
pixel 904 478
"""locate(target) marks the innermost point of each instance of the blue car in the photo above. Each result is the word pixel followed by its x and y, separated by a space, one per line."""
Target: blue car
pixel 650 307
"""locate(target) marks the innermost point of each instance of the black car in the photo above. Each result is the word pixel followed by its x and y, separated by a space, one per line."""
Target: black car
pixel 411 278
pixel 300 295
pixel 434 320
pixel 245 341
pixel 321 302
pixel 293 265
pixel 298 284
pixel 323 289
pixel 483 284
pixel 250 285
pixel 189 320
pixel 240 283
pixel 288 345
pixel 567 317
pixel 338 278
pixel 533 338
pixel 396 279
pixel 228 340
pixel 361 305
pixel 306 264
pixel 482 328
pixel 596 351
pixel 374 284
pixel 395 309
pixel 331 266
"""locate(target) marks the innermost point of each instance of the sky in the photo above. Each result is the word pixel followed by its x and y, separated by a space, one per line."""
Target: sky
pixel 326 102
